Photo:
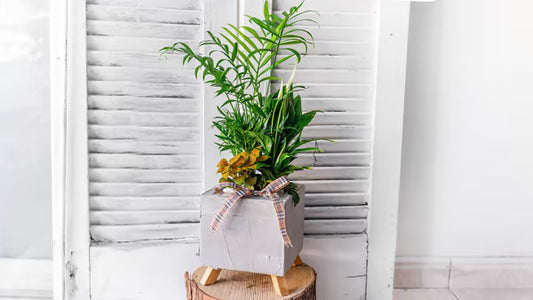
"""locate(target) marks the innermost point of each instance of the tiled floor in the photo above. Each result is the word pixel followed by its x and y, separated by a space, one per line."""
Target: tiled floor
pixel 463 294
pixel 423 294
pixel 464 278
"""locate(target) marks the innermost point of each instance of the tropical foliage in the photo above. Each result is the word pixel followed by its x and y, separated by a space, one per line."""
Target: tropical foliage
pixel 241 169
pixel 259 110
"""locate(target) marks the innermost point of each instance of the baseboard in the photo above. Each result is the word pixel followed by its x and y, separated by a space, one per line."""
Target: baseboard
pixel 31 278
pixel 464 272
pixel 422 272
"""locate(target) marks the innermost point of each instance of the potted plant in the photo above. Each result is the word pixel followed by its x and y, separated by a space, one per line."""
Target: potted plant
pixel 253 220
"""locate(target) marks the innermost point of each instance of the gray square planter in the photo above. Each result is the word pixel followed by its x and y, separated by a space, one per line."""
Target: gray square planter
pixel 249 239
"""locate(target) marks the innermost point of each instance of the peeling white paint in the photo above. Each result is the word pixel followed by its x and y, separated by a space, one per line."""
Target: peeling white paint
pixel 119 273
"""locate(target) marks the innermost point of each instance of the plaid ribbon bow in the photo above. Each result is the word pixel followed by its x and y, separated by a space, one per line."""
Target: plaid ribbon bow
pixel 270 190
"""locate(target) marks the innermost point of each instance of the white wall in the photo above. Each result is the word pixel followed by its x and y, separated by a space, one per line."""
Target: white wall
pixel 25 209
pixel 467 179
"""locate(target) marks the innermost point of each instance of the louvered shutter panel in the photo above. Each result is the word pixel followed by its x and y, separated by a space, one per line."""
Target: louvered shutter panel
pixel 145 120
pixel 339 76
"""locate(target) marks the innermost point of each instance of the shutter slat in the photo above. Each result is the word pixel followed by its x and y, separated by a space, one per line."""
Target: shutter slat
pixel 135 233
pixel 149 45
pixel 99 73
pixel 327 75
pixel 333 159
pixel 132 233
pixel 337 132
pixel 150 60
pixel 131 44
pixel 332 62
pixel 326 6
pixel 144 161
pixel 336 48
pixel 192 216
pixel 335 226
pixel 332 173
pixel 143 104
pixel 142 147
pixel 334 19
pixel 159 119
pixel 131 88
pixel 173 4
pixel 144 189
pixel 340 199
pixel 337 104
pixel 336 212
pixel 168 147
pixel 342 118
pixel 340 33
pixel 341 145
pixel 335 186
pixel 144 133
pixel 144 175
pixel 339 90
pixel 136 203
pixel 144 217
pixel 138 29
pixel 136 14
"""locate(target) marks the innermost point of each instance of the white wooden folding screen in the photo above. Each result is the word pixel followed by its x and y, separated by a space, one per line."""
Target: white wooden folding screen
pixel 151 153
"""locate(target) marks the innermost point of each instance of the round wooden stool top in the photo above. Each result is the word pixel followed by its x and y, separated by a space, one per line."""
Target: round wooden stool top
pixel 235 285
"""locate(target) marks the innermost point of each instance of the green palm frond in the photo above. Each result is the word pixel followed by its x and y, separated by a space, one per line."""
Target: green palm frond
pixel 259 109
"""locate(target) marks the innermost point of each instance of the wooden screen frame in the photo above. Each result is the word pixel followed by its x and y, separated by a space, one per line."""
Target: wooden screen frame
pixel 70 190
pixel 387 149
pixel 70 179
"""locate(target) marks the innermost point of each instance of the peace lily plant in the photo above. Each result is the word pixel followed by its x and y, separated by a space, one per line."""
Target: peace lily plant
pixel 261 120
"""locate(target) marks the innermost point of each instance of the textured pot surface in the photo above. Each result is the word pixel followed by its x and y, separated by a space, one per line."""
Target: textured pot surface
pixel 249 239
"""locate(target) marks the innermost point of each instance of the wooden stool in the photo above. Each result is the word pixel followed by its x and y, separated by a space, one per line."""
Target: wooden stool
pixel 297 284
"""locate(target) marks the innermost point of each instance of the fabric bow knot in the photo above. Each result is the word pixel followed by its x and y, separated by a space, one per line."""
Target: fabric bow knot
pixel 270 190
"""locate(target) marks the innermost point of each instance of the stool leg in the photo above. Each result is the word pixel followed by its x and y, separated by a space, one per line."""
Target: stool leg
pixel 298 261
pixel 210 276
pixel 280 285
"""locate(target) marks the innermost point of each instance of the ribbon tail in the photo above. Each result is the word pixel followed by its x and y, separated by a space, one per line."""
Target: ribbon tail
pixel 280 211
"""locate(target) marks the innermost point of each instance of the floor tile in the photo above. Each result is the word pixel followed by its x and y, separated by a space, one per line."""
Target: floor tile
pixel 493 294
pixel 479 273
pixel 423 294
